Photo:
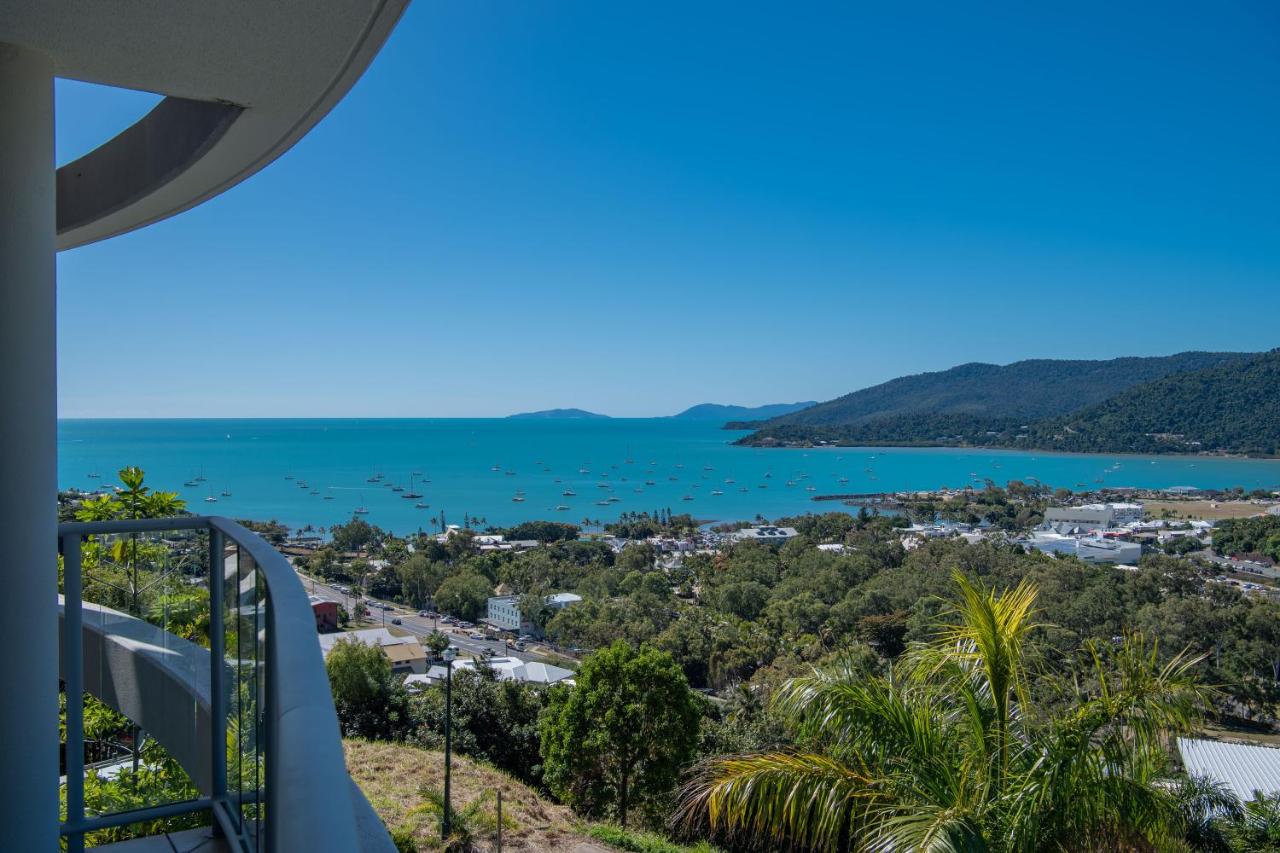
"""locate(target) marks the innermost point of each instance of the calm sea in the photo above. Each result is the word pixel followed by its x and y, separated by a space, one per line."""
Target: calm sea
pixel 645 464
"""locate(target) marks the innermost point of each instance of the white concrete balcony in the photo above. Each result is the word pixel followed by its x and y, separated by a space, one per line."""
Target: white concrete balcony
pixel 243 705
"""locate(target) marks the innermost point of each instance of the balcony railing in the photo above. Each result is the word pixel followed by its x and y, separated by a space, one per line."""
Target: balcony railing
pixel 242 703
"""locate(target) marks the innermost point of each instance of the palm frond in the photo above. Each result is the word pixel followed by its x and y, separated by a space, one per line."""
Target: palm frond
pixel 803 797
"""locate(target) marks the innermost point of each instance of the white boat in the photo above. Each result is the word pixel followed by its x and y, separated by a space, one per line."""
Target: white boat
pixel 569 493
pixel 362 509
pixel 717 492
pixel 561 508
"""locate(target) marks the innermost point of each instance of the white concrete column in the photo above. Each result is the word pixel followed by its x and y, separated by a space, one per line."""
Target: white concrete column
pixel 28 455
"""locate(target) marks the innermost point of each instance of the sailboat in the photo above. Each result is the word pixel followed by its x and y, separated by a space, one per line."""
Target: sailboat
pixel 362 509
pixel 226 493
pixel 211 499
pixel 411 494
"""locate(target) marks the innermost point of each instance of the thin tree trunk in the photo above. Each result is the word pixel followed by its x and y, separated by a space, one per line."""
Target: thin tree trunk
pixel 622 800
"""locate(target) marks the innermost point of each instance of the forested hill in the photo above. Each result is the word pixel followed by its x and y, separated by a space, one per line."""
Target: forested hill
pixel 1233 407
pixel 557 415
pixel 718 412
pixel 1037 388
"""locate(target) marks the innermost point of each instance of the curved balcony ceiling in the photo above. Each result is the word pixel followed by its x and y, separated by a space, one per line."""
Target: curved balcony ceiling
pixel 244 80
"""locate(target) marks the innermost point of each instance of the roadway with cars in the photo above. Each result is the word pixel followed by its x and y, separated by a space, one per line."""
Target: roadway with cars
pixel 420 626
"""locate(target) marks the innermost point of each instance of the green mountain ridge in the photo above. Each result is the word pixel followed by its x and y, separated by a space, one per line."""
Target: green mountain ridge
pixel 1031 389
pixel 558 414
pixel 1231 408
pixel 1189 402
pixel 721 412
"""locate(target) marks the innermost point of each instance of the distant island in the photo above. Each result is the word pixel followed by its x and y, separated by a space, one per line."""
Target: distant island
pixel 1192 402
pixel 718 412
pixel 559 415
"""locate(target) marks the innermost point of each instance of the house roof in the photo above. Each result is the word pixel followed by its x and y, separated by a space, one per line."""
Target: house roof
pixel 404 652
pixel 1244 768
pixel 509 669
pixel 369 636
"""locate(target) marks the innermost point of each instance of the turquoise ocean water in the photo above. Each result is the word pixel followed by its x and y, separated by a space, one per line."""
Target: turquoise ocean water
pixel 253 459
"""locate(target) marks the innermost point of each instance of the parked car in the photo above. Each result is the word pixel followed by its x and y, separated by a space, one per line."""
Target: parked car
pixel 396 621
pixel 520 646
pixel 424 614
pixel 477 635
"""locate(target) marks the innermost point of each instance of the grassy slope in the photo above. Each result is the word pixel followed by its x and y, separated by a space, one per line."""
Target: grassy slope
pixel 390 775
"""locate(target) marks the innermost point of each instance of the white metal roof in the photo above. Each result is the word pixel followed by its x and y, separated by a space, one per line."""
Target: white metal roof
pixel 1242 767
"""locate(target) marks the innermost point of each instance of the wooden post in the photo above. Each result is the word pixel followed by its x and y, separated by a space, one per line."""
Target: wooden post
pixel 499 820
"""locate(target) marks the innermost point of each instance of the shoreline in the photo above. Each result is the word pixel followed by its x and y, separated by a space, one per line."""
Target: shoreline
pixel 991 448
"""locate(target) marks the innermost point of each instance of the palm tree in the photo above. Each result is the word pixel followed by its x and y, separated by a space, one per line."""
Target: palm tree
pixel 948 751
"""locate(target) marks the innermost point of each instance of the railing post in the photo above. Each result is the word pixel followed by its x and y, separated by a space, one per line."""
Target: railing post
pixel 73 663
pixel 270 716
pixel 217 669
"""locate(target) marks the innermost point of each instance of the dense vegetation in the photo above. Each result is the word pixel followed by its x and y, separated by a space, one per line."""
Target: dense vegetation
pixel 1231 405
pixel 1257 537
pixel 950 749
pixel 770 632
pixel 1036 388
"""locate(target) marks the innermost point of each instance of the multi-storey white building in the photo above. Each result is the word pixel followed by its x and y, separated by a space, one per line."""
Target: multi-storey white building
pixel 1093 516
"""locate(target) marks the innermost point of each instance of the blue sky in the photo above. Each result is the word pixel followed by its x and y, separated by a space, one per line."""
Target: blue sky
pixel 634 209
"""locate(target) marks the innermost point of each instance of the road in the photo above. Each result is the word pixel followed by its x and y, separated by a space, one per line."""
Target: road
pixel 415 624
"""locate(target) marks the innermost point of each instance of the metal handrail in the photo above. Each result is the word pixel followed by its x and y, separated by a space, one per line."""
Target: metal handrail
pixel 307 801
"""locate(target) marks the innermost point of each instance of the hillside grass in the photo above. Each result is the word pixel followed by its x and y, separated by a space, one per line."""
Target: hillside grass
pixel 392 776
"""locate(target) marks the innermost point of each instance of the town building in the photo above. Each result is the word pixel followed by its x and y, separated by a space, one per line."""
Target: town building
pixel 503 611
pixel 407 657
pixel 326 613
pixel 767 534
pixel 405 653
pixel 1092 516
pixel 1089 549
pixel 1244 769
pixel 504 669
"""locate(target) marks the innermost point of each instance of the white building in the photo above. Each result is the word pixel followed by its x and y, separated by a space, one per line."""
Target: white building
pixel 503 611
pixel 767 534
pixel 1093 516
pixel 505 668
pixel 1089 549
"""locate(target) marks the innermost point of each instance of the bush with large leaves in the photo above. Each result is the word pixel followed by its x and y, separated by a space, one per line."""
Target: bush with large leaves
pixel 948 751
